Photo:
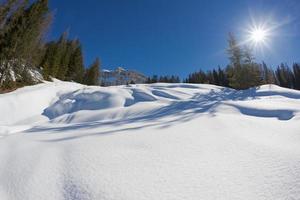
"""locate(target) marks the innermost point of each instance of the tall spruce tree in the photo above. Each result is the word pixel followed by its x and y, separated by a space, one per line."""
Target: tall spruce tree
pixel 242 72
pixel 59 60
pixel 285 76
pixel 23 24
pixel 48 63
pixel 5 8
pixel 251 70
pixel 296 70
pixel 234 70
pixel 65 55
pixel 63 60
pixel 92 74
pixel 24 31
pixel 223 80
pixel 267 75
pixel 76 68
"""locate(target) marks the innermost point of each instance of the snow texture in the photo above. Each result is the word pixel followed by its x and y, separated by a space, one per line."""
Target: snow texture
pixel 61 140
pixel 13 71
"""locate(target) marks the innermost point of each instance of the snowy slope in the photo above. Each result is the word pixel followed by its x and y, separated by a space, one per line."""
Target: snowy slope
pixel 63 140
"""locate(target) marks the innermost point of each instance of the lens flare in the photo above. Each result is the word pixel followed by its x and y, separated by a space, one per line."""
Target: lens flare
pixel 258 35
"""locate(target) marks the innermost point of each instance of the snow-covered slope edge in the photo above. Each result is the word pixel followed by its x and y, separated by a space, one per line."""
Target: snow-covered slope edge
pixel 65 100
pixel 160 141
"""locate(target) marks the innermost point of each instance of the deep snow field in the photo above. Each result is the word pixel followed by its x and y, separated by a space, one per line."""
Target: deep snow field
pixel 61 140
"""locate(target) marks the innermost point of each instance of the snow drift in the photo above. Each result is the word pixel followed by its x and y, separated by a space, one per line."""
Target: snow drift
pixel 63 140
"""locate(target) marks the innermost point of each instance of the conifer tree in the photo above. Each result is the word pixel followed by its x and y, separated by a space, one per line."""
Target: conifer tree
pixel 285 76
pixel 76 68
pixel 92 74
pixel 25 30
pixel 65 51
pixel 59 62
pixel 243 72
pixel 48 61
pixel 154 79
pixel 57 58
pixel 267 74
pixel 5 8
pixel 235 69
pixel 296 70
pixel 251 75
pixel 216 77
pixel 222 78
pixel 23 24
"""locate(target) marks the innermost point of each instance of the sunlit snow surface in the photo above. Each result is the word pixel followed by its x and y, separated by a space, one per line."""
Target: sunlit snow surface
pixel 63 140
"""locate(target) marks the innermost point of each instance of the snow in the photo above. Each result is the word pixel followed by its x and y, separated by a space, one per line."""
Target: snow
pixel 106 70
pixel 62 140
pixel 10 71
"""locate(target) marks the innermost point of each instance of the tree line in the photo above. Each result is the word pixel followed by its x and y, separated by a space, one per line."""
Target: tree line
pixel 23 47
pixel 243 72
pixel 163 79
pixel 63 59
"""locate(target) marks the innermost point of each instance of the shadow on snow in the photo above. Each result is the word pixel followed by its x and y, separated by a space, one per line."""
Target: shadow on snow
pixel 180 111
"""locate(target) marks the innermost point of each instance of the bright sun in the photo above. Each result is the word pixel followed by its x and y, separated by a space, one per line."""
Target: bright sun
pixel 258 35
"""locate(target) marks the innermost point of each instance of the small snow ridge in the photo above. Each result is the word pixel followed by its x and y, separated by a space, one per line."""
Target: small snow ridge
pixel 139 95
pixel 163 94
pixel 280 114
pixel 83 100
pixel 272 90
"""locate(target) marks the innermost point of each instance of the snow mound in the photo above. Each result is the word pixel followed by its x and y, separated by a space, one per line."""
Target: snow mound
pixel 51 100
pixel 85 99
pixel 62 140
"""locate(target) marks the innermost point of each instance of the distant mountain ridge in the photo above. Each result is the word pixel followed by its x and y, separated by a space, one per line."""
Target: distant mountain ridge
pixel 121 76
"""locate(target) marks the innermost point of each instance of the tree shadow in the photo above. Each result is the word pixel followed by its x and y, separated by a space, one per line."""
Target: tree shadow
pixel 180 111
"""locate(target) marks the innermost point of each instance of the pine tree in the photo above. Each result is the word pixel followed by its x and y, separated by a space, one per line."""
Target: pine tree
pixel 216 77
pixel 60 60
pixel 154 79
pixel 251 75
pixel 267 74
pixel 235 69
pixel 92 74
pixel 296 70
pixel 5 8
pixel 48 62
pixel 27 30
pixel 234 52
pixel 148 81
pixel 285 76
pixel 65 47
pixel 57 59
pixel 222 78
pixel 12 31
pixel 243 72
pixel 76 68
pixel 21 41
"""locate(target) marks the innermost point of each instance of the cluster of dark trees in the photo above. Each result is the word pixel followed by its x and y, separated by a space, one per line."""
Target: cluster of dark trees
pixel 22 28
pixel 243 72
pixel 23 47
pixel 63 59
pixel 163 79
pixel 215 77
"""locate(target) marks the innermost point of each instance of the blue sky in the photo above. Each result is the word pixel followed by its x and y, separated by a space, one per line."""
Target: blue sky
pixel 174 36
